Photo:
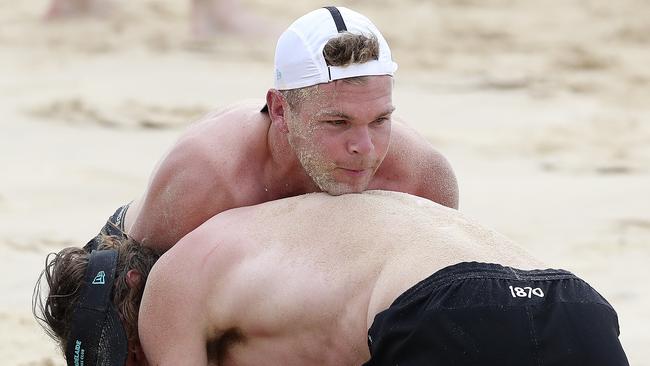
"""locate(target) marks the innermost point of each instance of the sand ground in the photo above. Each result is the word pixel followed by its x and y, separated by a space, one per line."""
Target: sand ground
pixel 542 107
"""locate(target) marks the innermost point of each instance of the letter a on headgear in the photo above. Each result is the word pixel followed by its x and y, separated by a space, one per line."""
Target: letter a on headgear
pixel 99 278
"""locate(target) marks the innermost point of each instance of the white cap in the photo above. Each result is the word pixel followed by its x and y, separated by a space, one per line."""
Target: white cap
pixel 299 60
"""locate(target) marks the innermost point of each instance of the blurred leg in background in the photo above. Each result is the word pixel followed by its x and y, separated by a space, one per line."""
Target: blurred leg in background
pixel 211 17
pixel 208 18
pixel 61 9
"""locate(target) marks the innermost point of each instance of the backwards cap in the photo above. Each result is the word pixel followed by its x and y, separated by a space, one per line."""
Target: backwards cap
pixel 299 60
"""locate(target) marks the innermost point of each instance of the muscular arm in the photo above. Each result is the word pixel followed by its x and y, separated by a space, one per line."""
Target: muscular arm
pixel 212 168
pixel 438 181
pixel 182 321
pixel 414 166
pixel 172 319
pixel 185 190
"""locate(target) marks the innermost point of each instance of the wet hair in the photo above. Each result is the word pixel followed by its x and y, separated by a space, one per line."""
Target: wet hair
pixel 345 49
pixel 64 274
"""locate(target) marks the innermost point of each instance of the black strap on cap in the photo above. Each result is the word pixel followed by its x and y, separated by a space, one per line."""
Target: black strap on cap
pixel 340 27
pixel 97 336
pixel 338 18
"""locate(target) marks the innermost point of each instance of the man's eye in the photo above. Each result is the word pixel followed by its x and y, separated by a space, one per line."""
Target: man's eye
pixel 382 120
pixel 337 122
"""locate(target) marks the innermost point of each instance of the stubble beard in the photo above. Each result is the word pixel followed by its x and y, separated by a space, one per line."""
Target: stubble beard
pixel 317 166
pixel 321 171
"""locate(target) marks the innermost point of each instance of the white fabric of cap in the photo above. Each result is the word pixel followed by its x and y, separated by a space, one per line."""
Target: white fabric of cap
pixel 299 60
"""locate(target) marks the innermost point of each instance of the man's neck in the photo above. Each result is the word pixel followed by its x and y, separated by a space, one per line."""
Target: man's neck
pixel 283 174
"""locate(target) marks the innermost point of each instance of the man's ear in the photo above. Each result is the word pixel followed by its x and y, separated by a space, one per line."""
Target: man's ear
pixel 133 278
pixel 278 109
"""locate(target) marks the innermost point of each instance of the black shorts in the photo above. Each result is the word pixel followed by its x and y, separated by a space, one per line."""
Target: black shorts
pixel 487 314
pixel 114 227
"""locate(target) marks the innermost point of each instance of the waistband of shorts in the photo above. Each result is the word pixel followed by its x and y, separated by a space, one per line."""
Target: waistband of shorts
pixel 468 270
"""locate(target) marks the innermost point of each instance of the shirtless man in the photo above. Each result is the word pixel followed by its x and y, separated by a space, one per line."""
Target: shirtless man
pixel 384 278
pixel 327 126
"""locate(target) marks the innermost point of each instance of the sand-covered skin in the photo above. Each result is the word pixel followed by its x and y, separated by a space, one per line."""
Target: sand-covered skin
pixel 542 108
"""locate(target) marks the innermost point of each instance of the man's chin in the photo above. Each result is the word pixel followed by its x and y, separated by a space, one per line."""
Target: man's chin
pixel 340 189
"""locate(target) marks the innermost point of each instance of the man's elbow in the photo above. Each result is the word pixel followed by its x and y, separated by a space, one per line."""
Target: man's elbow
pixel 449 192
pixel 440 184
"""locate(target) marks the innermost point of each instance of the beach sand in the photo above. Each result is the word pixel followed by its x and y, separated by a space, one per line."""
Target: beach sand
pixel 542 108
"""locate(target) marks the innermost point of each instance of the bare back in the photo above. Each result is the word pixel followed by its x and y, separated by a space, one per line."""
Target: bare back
pixel 299 281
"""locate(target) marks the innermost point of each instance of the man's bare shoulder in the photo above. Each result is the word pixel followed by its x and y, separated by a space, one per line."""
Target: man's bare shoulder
pixel 226 134
pixel 414 166
pixel 192 268
pixel 173 317
pixel 196 176
pixel 225 146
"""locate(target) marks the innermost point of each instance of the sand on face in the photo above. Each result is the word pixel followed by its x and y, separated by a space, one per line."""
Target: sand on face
pixel 542 111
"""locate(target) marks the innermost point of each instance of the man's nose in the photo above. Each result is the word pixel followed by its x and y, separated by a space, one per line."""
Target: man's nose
pixel 360 142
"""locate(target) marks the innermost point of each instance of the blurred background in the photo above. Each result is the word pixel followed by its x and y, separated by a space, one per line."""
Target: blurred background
pixel 542 108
